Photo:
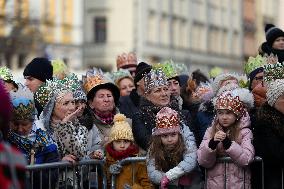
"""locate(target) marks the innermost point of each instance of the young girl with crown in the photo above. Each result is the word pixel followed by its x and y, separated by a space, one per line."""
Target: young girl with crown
pixel 229 136
pixel 169 163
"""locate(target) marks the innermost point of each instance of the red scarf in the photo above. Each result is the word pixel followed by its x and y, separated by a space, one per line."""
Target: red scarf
pixel 106 118
pixel 131 151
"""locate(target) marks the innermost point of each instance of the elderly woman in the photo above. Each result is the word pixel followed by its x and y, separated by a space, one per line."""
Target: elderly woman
pixel 269 131
pixel 60 119
pixel 103 96
pixel 124 81
pixel 157 96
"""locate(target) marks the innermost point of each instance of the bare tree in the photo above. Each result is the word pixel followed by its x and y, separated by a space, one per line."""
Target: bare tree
pixel 24 37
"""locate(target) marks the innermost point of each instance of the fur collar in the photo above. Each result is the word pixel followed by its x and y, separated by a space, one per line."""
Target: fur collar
pixel 135 98
pixel 269 116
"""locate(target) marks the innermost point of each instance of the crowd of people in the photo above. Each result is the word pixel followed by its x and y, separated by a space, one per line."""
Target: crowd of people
pixel 182 123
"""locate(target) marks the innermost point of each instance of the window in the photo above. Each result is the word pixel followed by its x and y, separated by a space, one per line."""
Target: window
pixel 165 31
pixel 100 30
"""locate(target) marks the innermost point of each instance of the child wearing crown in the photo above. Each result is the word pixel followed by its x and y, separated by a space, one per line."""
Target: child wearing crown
pixel 169 163
pixel 121 146
pixel 26 134
pixel 33 141
pixel 229 136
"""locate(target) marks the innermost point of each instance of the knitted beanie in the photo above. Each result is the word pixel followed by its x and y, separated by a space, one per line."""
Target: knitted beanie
pixel 121 129
pixel 216 85
pixel 39 68
pixel 142 69
pixel 272 33
pixel 167 121
pixel 274 90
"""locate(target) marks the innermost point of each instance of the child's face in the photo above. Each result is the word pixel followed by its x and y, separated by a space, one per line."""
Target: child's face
pixel 21 127
pixel 226 117
pixel 120 145
pixel 170 140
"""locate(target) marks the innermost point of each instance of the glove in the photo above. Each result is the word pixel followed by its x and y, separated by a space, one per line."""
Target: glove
pixel 127 186
pixel 115 169
pixel 164 182
pixel 227 143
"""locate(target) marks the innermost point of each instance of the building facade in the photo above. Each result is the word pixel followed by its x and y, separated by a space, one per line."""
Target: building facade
pixel 50 28
pixel 249 28
pixel 267 12
pixel 199 33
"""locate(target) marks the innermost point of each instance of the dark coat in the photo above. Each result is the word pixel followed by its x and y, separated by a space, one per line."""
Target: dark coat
pixel 128 105
pixel 143 121
pixel 268 130
pixel 203 120
pixel 267 49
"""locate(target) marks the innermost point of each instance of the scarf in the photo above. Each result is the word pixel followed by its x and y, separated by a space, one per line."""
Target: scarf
pixel 26 145
pixel 131 151
pixel 259 94
pixel 106 118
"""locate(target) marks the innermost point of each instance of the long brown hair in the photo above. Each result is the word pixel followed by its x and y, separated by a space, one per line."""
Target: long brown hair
pixel 232 131
pixel 166 159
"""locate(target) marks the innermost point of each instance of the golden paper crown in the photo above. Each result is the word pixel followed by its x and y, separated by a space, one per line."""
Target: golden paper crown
pixel 126 60
pixel 92 81
pixel 93 78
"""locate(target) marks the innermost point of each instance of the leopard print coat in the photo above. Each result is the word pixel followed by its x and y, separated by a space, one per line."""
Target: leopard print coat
pixel 71 138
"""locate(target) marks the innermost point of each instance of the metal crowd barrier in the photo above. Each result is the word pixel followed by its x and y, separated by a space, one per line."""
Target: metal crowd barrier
pixel 228 160
pixel 125 161
pixel 86 167
pixel 85 174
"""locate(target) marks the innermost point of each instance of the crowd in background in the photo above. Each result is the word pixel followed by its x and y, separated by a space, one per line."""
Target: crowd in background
pixel 181 121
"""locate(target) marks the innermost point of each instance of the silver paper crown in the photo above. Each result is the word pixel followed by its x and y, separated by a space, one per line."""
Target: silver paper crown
pixel 155 78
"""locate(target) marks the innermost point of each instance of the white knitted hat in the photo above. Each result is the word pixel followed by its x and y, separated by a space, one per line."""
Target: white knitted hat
pixel 222 77
pixel 274 90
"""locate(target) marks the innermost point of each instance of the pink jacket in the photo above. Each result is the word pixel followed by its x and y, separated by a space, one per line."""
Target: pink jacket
pixel 241 154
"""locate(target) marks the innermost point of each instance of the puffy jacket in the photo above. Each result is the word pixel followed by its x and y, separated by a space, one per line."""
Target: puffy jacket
pixel 186 165
pixel 125 177
pixel 241 154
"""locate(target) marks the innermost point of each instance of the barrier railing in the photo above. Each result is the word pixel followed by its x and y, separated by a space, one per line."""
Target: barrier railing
pixel 90 174
pixel 228 160
pixel 125 161
pixel 83 174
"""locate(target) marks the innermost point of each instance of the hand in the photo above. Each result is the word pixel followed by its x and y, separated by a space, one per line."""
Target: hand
pixel 127 186
pixel 72 116
pixel 219 136
pixel 70 158
pixel 115 169
pixel 96 155
pixel 164 182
